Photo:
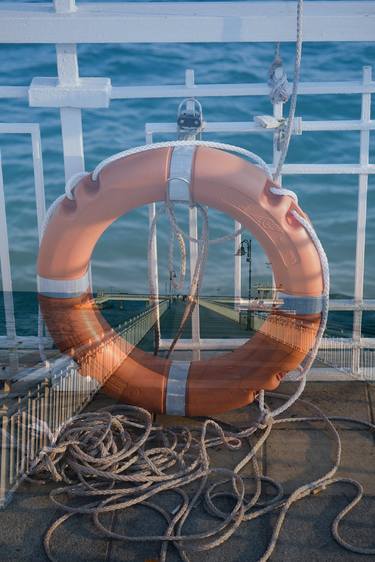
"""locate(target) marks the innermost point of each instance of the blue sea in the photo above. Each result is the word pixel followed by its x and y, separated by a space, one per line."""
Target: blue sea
pixel 120 258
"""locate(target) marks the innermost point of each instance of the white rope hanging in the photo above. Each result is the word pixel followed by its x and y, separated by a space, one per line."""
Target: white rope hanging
pixel 279 88
pixel 278 79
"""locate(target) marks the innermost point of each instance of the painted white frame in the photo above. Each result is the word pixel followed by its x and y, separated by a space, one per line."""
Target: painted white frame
pixel 66 24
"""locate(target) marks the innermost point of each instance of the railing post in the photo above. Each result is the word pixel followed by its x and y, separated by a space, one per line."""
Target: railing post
pixel 6 276
pixel 71 118
pixel 4 468
pixel 237 267
pixel 361 223
pixel 153 263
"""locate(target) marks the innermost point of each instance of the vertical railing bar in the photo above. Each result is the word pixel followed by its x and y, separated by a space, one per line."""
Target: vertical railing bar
pixel 43 421
pixel 24 440
pixel 38 178
pixel 278 114
pixel 28 430
pixel 193 247
pixel 34 430
pixel 19 430
pixel 153 265
pixel 237 266
pixel 39 415
pixel 361 221
pixel 6 276
pixel 4 454
pixel 70 117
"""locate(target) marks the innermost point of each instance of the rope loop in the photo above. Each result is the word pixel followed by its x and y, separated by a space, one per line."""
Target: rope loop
pixel 116 459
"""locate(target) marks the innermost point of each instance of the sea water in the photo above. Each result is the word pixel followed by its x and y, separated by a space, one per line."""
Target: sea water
pixel 120 258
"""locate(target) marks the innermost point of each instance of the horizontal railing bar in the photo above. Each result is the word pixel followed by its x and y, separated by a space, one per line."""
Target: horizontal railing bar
pixel 351 304
pixel 231 343
pixel 24 342
pixel 227 90
pixel 328 374
pixel 31 342
pixel 186 22
pixel 14 91
pixel 311 169
pixel 211 90
pixel 334 304
pixel 251 127
pixel 367 343
pixel 19 128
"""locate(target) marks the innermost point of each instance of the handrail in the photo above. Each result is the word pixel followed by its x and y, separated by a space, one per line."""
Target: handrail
pixel 28 423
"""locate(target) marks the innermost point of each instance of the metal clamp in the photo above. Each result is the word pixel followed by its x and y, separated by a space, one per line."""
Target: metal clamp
pixel 189 118
pixel 271 122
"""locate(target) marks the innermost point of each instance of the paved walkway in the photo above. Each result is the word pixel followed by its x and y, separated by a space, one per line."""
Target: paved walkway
pixel 212 325
pixel 293 455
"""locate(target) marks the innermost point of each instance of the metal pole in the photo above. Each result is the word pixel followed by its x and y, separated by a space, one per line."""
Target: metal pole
pixel 248 259
pixel 237 267
pixel 361 225
pixel 4 455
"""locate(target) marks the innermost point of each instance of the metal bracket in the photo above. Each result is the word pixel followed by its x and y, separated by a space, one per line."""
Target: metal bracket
pixel 87 93
pixel 271 122
pixel 189 119
pixel 268 121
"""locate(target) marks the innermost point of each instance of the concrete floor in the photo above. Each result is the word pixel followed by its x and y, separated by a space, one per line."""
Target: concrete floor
pixel 293 455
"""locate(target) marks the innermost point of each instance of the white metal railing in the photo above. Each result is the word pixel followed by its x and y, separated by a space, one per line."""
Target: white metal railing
pixel 29 421
pixel 363 170
pixel 66 24
pixel 185 22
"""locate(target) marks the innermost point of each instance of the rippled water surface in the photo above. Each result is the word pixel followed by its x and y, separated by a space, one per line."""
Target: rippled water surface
pixel 120 256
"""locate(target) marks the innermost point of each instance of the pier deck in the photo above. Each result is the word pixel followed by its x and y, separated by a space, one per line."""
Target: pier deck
pixel 293 455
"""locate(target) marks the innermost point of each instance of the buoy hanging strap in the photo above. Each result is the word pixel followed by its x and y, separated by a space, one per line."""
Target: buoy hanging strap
pixel 180 173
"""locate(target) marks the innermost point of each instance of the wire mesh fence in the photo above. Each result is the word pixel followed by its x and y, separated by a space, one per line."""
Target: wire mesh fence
pixel 29 423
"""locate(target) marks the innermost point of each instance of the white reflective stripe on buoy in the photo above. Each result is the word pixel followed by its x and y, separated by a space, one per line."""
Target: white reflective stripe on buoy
pixel 176 388
pixel 180 171
pixel 301 304
pixel 63 288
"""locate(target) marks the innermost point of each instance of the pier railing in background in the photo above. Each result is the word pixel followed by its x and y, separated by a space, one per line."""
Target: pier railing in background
pixel 66 24
pixel 29 421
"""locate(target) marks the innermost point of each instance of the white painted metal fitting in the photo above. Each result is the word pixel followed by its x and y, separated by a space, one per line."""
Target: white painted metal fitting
pixel 268 121
pixel 271 122
pixel 87 93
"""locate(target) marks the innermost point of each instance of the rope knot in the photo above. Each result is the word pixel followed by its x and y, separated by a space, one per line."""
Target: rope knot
pixel 278 82
pixel 265 419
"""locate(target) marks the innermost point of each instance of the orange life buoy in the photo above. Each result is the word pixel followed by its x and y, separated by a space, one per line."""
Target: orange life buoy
pixel 210 177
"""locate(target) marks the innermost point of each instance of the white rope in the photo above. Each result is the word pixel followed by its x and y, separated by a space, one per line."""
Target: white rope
pixel 324 315
pixel 293 100
pixel 278 80
pixel 283 191
pixel 115 459
pixel 50 212
pixel 72 183
pixel 219 145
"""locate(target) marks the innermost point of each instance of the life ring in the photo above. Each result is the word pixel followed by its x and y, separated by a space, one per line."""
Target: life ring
pixel 214 178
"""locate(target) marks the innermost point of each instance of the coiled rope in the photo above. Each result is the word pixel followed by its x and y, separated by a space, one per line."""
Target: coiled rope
pixel 114 459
